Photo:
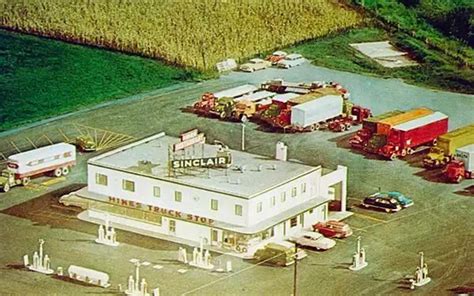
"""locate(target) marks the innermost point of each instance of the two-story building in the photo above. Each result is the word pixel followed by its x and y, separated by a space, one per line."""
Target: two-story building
pixel 255 198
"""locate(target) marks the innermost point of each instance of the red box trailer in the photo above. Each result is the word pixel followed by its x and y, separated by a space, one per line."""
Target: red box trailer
pixel 405 138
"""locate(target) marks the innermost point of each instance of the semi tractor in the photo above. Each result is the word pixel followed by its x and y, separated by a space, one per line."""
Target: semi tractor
pixel 56 159
pixel 369 128
pixel 442 153
pixel 413 136
pixel 462 166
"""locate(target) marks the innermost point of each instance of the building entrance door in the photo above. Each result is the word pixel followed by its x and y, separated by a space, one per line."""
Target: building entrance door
pixel 172 227
pixel 214 237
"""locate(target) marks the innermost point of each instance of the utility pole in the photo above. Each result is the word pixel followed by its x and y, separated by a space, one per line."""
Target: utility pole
pixel 295 270
pixel 243 136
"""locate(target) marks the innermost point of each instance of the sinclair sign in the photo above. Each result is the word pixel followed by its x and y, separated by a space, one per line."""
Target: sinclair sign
pixel 208 162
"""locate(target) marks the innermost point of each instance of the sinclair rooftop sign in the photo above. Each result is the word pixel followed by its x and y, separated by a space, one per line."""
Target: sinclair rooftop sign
pixel 208 162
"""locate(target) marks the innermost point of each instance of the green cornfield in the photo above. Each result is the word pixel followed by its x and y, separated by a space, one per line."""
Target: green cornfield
pixel 195 33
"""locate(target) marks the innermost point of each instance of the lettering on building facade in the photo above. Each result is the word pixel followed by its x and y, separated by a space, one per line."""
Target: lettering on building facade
pixel 162 211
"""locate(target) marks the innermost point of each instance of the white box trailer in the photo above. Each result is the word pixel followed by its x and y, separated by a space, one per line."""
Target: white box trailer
pixel 466 155
pixel 317 111
pixel 235 92
pixel 56 158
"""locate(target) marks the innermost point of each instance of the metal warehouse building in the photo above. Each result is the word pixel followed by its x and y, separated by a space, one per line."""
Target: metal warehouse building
pixel 179 189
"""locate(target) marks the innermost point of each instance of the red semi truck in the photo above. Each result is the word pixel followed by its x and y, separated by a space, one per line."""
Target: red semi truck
pixel 411 136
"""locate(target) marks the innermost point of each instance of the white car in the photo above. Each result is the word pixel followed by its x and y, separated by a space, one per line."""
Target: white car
pixel 313 240
pixel 291 60
pixel 254 65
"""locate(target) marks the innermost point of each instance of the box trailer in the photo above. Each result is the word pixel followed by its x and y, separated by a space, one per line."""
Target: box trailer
pixel 446 146
pixel 409 137
pixel 316 112
pixel 385 125
pixel 21 167
pixel 462 166
pixel 235 92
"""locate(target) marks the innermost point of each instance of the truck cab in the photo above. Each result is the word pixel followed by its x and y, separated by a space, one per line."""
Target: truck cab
pixel 6 180
pixel 435 158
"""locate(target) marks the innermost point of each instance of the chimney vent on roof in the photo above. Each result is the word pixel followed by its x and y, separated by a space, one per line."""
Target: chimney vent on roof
pixel 281 151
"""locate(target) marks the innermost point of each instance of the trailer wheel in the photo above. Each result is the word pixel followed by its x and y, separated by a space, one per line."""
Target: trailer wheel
pixel 222 115
pixel 393 156
pixel 459 179
pixel 348 126
pixel 435 141
pixel 6 187
pixel 57 172
pixel 25 181
pixel 65 171
pixel 342 127
pixel 403 153
pixel 409 151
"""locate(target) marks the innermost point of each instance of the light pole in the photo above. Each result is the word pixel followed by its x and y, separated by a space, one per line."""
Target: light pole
pixel 243 136
pixel 295 271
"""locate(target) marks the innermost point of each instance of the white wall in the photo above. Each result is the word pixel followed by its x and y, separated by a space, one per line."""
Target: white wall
pixel 334 177
pixel 194 200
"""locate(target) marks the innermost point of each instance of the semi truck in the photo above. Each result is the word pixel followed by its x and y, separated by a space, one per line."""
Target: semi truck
pixel 281 86
pixel 412 136
pixel 374 136
pixel 56 159
pixel 442 153
pixel 462 166
pixel 369 127
pixel 221 103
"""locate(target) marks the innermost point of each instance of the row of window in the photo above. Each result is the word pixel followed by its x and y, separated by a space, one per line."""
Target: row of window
pixel 294 193
pixel 128 185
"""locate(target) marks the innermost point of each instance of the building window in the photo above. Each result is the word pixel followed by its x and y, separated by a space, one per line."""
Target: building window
pixel 238 210
pixel 101 179
pixel 273 201
pixel 128 185
pixel 283 196
pixel 259 207
pixel 293 192
pixel 293 221
pixel 214 204
pixel 178 196
pixel 303 187
pixel 156 191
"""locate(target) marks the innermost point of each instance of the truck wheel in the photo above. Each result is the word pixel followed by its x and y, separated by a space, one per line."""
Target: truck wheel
pixel 435 141
pixel 387 210
pixel 6 187
pixel 348 126
pixel 393 156
pixel 342 127
pixel 25 181
pixel 58 172
pixel 404 153
pixel 222 115
pixel 65 171
pixel 459 179
pixel 409 151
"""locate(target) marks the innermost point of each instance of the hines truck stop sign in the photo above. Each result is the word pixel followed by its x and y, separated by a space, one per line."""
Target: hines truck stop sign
pixel 207 162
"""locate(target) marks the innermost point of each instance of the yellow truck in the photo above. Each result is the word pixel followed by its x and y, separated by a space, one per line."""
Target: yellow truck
pixel 446 146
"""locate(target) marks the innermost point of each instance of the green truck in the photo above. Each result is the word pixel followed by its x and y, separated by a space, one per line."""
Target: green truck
pixel 446 146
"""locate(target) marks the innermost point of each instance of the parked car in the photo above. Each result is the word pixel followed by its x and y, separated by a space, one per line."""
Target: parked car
pixel 313 240
pixel 333 228
pixel 404 201
pixel 281 254
pixel 254 65
pixel 276 56
pixel 386 204
pixel 291 60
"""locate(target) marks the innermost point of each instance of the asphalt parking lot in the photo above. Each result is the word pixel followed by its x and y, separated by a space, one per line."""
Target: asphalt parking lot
pixel 440 223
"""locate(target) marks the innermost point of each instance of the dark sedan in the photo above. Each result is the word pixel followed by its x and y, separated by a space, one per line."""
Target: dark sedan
pixel 386 204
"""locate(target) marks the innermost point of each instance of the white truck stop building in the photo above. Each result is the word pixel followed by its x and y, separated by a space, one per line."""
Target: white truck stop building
pixel 254 199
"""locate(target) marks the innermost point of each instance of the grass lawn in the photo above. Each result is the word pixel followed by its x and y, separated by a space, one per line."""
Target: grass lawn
pixel 41 78
pixel 436 70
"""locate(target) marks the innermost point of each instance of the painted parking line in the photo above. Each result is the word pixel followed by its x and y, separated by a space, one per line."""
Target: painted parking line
pixel 53 181
pixel 370 218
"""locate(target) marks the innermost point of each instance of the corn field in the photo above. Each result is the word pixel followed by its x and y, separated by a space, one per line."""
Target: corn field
pixel 195 33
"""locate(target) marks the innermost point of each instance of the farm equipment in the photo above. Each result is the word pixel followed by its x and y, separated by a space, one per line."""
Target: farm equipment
pixel 280 86
pixel 21 167
pixel 411 136
pixel 443 152
pixel 86 143
pixel 462 166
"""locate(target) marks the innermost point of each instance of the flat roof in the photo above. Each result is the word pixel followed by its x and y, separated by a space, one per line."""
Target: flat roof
pixel 285 97
pixel 257 96
pixel 249 175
